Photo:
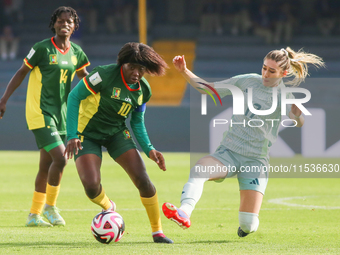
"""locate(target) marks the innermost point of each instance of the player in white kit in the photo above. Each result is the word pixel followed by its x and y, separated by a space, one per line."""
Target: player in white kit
pixel 243 146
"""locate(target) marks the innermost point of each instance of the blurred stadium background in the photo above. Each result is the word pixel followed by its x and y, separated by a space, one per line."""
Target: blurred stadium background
pixel 220 39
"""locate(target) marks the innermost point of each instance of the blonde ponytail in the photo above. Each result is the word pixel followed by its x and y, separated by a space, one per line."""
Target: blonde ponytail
pixel 296 63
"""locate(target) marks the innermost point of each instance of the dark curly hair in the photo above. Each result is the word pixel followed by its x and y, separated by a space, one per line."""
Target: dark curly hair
pixel 144 55
pixel 59 11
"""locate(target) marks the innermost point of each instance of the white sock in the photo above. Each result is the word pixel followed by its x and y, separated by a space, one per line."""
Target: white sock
pixel 191 194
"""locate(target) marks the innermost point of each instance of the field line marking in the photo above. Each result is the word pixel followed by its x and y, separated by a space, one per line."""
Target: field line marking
pixel 282 201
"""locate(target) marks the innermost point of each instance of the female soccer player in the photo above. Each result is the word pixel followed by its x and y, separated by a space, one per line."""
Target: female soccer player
pixel 244 146
pixel 53 63
pixel 102 101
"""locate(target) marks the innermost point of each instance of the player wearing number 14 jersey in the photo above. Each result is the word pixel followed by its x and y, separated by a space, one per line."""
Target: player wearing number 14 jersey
pixel 96 113
pixel 53 64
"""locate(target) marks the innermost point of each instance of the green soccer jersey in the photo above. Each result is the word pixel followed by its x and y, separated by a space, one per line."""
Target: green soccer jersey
pixel 50 82
pixel 103 113
pixel 241 137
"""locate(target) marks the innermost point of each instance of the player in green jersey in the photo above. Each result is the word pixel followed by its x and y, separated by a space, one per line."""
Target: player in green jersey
pixel 53 63
pixel 97 110
pixel 244 147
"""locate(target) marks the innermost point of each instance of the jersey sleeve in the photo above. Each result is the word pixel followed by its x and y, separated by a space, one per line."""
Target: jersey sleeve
pixel 94 81
pixel 82 60
pixel 238 81
pixel 34 56
pixel 146 90
pixel 77 94
pixel 139 130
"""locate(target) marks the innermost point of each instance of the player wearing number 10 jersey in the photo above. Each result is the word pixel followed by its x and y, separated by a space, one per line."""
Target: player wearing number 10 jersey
pixel 96 113
pixel 53 63
pixel 109 102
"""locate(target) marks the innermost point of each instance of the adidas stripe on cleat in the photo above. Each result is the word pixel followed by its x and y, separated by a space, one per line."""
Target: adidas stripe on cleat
pixel 52 214
pixel 35 220
pixel 176 215
pixel 241 233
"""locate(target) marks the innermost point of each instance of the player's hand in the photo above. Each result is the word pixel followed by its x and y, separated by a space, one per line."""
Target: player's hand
pixel 158 158
pixel 296 111
pixel 179 63
pixel 73 145
pixel 2 109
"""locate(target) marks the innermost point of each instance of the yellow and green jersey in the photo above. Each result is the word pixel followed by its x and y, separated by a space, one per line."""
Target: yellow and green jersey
pixel 50 82
pixel 108 103
pixel 242 138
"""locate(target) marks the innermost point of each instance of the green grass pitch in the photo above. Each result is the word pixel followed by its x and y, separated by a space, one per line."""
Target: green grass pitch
pixel 304 220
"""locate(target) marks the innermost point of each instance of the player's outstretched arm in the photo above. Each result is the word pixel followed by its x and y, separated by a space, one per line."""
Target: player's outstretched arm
pixel 193 79
pixel 158 158
pixel 14 83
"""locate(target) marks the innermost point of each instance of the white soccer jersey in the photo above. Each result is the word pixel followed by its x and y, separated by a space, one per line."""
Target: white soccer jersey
pixel 241 138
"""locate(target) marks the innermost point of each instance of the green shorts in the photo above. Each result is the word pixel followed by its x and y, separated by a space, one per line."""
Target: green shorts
pixel 118 144
pixel 48 137
pixel 249 171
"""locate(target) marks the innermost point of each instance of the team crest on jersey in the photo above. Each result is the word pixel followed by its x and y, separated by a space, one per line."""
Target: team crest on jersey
pixel 127 134
pixel 53 59
pixel 140 100
pixel 116 93
pixel 74 60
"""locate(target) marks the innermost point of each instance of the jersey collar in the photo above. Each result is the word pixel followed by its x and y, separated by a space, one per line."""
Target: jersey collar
pixel 62 52
pixel 126 85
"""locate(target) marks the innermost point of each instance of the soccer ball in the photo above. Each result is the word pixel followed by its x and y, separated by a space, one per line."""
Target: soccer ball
pixel 107 227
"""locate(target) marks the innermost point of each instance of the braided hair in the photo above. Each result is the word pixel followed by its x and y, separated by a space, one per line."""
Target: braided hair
pixel 57 14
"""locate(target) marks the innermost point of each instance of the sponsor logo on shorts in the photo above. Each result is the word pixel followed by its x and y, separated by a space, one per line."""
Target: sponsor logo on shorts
pixel 127 134
pixel 54 133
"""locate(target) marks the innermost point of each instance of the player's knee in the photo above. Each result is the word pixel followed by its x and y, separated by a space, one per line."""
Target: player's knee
pixel 60 162
pixel 144 184
pixel 249 222
pixel 92 188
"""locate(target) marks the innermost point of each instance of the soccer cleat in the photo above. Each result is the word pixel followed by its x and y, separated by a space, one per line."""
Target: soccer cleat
pixel 35 220
pixel 112 208
pixel 241 233
pixel 161 238
pixel 176 215
pixel 52 214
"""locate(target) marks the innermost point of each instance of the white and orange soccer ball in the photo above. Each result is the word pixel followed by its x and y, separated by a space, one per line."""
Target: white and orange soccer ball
pixel 108 226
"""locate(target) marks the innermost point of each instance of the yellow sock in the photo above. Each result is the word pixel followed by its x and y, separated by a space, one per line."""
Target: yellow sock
pixel 52 193
pixel 38 202
pixel 102 200
pixel 152 209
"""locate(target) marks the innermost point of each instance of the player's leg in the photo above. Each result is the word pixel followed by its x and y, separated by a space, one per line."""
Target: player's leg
pixel 252 188
pixel 39 196
pixel 55 152
pixel 212 168
pixel 52 162
pixel 133 164
pixel 250 205
pixel 88 163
